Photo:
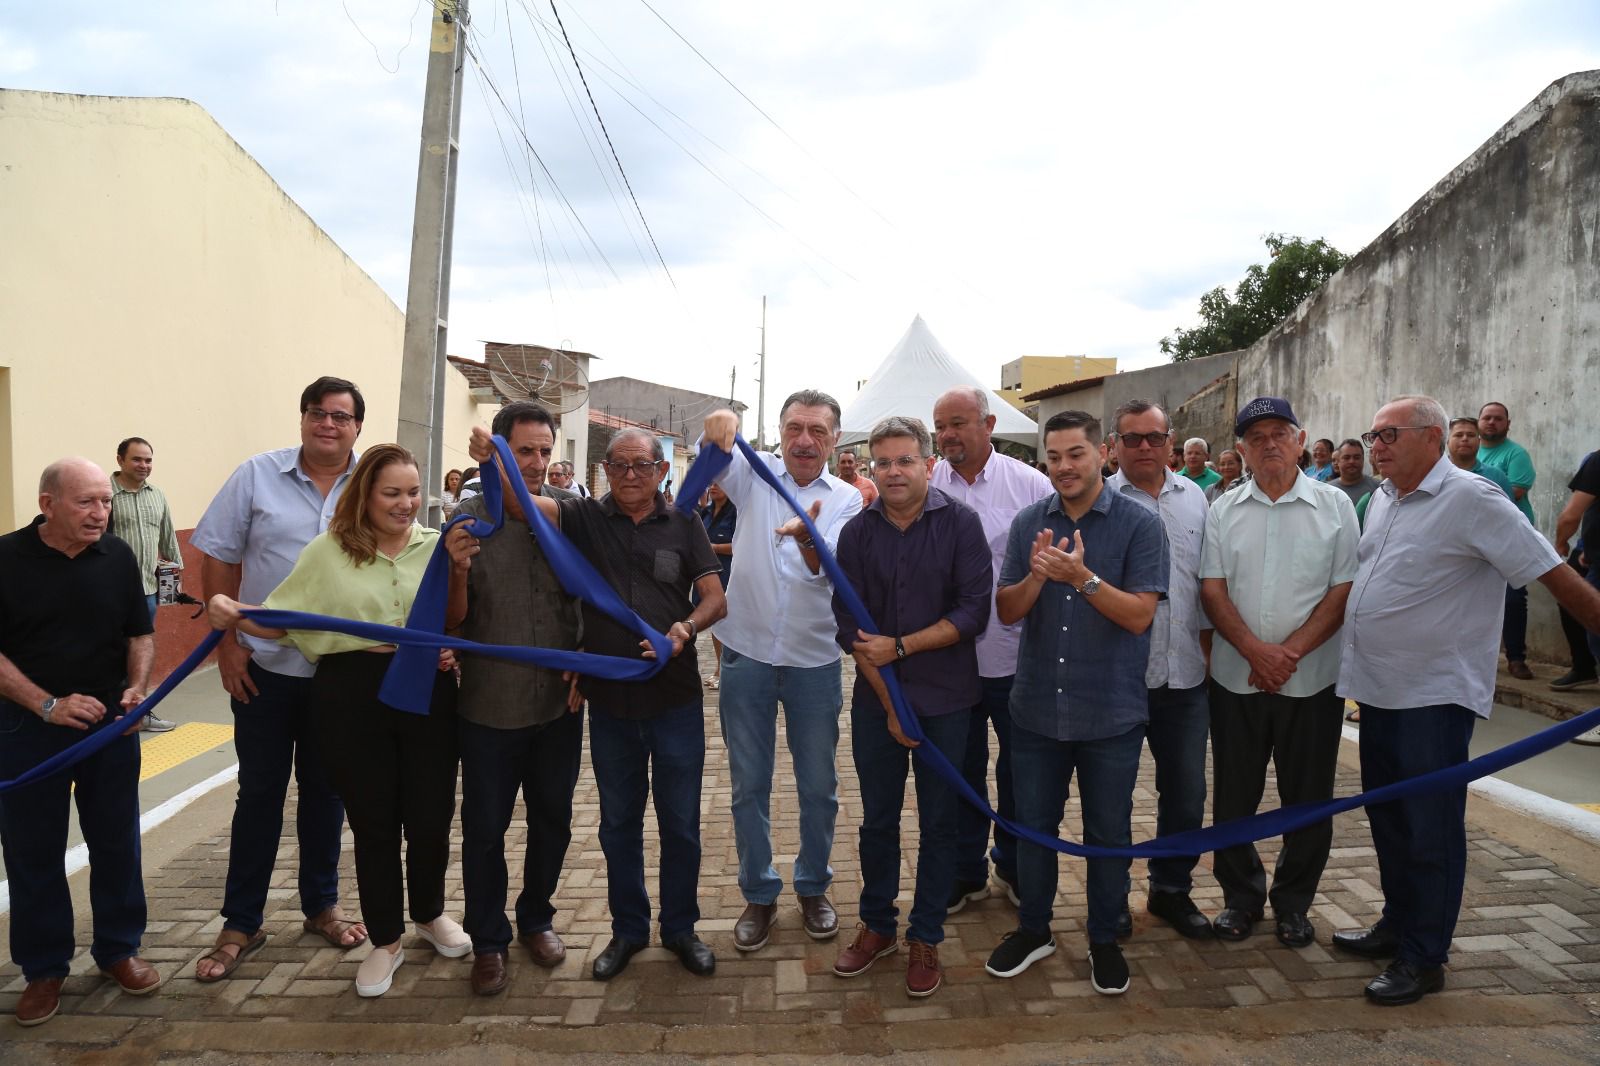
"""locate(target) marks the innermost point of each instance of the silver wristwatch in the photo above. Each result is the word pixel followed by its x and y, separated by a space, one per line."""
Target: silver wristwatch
pixel 1091 586
pixel 47 708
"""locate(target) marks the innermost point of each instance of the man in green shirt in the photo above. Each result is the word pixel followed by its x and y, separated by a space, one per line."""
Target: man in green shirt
pixel 1196 453
pixel 140 516
pixel 1511 459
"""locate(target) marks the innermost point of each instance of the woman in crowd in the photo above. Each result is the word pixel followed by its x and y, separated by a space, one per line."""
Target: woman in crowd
pixel 1231 467
pixel 395 771
pixel 452 489
pixel 720 516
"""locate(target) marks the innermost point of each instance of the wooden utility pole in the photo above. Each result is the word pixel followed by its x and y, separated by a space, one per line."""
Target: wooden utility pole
pixel 761 384
pixel 422 366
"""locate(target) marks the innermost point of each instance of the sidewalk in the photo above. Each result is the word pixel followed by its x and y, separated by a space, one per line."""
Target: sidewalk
pixel 1524 981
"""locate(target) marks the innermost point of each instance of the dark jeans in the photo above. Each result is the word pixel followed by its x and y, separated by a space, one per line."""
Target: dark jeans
pixel 397 776
pixel 1578 638
pixel 1594 579
pixel 1300 736
pixel 1179 721
pixel 881 763
pixel 272 734
pixel 973 854
pixel 1514 630
pixel 1041 771
pixel 33 832
pixel 1421 841
pixel 662 757
pixel 540 761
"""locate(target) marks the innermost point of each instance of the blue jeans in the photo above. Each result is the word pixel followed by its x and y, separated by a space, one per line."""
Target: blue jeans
pixel 542 763
pixel 812 699
pixel 33 832
pixel 1594 579
pixel 150 602
pixel 663 757
pixel 1041 770
pixel 272 734
pixel 1421 841
pixel 1180 719
pixel 881 763
pixel 1514 630
pixel 972 849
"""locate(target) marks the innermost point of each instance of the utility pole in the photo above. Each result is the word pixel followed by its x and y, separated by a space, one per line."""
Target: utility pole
pixel 733 378
pixel 422 365
pixel 761 389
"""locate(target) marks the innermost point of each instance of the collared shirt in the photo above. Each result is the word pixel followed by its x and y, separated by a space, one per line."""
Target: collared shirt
pixel 1323 474
pixel 720 527
pixel 779 612
pixel 1422 625
pixel 1002 488
pixel 65 622
pixel 1080 676
pixel 937 568
pixel 514 597
pixel 1280 558
pixel 267 511
pixel 1176 659
pixel 1205 479
pixel 1512 460
pixel 325 580
pixel 652 565
pixel 144 522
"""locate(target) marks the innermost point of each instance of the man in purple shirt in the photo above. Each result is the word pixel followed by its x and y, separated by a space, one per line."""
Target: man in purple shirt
pixel 920 564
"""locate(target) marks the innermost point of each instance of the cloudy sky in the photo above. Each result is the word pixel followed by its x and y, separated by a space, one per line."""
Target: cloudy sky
pixel 1032 178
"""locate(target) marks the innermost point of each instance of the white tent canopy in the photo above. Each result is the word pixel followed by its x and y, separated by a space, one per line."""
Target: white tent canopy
pixel 915 374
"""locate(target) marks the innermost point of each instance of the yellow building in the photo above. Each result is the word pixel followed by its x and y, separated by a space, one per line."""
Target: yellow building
pixel 1034 373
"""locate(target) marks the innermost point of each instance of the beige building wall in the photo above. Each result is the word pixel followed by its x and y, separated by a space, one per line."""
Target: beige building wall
pixel 1035 373
pixel 157 282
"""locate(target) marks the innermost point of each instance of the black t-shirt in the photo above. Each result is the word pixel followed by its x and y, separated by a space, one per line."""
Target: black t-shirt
pixel 1587 479
pixel 652 564
pixel 65 622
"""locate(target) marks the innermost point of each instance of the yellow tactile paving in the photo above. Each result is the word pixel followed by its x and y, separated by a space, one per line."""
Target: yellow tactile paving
pixel 163 751
pixel 1595 807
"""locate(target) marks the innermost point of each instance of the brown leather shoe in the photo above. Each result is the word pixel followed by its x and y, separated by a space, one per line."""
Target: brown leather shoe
pixel 545 947
pixel 867 948
pixel 754 926
pixel 489 973
pixel 923 975
pixel 1519 670
pixel 40 1001
pixel 822 923
pixel 137 977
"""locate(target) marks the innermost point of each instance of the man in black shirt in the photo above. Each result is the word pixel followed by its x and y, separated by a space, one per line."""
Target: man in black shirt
pixel 644 736
pixel 75 651
pixel 1581 515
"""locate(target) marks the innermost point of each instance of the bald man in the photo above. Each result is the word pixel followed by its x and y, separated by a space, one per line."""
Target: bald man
pixel 75 654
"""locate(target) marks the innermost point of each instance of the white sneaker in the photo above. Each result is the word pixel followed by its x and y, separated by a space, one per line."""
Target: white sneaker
pixel 1591 736
pixel 376 972
pixel 446 936
pixel 151 724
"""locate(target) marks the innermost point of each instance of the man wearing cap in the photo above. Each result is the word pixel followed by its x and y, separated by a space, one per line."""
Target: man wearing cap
pixel 1278 560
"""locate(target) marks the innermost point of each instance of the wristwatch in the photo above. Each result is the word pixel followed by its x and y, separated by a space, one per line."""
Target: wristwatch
pixel 47 708
pixel 1091 586
pixel 899 648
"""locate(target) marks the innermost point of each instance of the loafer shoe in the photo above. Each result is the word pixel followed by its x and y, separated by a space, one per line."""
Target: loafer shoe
pixel 965 892
pixel 39 1001
pixel 923 976
pixel 614 959
pixel 1572 679
pixel 754 927
pixel 1520 671
pixel 1295 930
pixel 694 953
pixel 820 919
pixel 376 972
pixel 1374 943
pixel 446 936
pixel 1235 924
pixel 1018 950
pixel 1108 970
pixel 867 948
pixel 1179 911
pixel 1404 983
pixel 489 973
pixel 545 947
pixel 134 975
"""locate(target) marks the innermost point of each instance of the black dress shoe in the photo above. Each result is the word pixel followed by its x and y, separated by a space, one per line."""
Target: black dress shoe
pixel 1124 924
pixel 1295 931
pixel 695 955
pixel 614 959
pixel 1179 911
pixel 1404 983
pixel 1374 943
pixel 1235 924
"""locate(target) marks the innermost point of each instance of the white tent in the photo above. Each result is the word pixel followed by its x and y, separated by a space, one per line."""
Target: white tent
pixel 915 374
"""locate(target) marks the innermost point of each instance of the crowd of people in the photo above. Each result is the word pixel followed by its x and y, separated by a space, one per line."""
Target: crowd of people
pixel 1129 595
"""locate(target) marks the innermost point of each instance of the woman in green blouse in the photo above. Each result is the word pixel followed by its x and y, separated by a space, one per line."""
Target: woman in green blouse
pixel 395 771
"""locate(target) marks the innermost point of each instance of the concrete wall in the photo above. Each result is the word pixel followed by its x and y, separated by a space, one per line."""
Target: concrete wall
pixel 1168 385
pixel 653 404
pixel 1091 398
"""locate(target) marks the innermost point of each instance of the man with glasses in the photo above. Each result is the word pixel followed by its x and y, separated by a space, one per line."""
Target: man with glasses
pixel 251 535
pixel 778 648
pixel 1279 557
pixel 1511 459
pixel 1418 656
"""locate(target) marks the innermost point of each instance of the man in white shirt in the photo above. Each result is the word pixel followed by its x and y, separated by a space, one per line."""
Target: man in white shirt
pixel 1278 560
pixel 1180 638
pixel 778 647
pixel 997 487
pixel 1419 657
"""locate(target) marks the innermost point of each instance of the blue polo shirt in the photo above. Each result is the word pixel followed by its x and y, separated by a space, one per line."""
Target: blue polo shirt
pixel 1080 676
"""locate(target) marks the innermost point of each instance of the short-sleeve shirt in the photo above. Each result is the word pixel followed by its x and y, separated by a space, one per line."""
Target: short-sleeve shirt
pixel 720 527
pixel 1422 625
pixel 652 565
pixel 1205 479
pixel 1587 479
pixel 266 512
pixel 1280 558
pixel 1080 676
pixel 867 487
pixel 143 520
pixel 1512 460
pixel 65 622
pixel 1356 491
pixel 1176 659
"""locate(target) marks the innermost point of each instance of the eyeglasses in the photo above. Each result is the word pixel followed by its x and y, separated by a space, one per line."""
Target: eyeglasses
pixel 640 468
pixel 339 418
pixel 1132 440
pixel 904 462
pixel 1388 434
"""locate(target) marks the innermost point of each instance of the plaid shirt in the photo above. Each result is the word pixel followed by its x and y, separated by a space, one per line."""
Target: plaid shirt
pixel 143 519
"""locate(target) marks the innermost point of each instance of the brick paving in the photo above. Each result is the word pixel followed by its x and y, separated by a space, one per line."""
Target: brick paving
pixel 1528 927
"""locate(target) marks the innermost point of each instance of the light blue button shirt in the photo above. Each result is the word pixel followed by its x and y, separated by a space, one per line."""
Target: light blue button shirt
pixel 1176 659
pixel 263 517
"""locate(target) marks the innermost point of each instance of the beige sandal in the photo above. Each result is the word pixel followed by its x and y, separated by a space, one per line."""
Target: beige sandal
pixel 331 926
pixel 230 960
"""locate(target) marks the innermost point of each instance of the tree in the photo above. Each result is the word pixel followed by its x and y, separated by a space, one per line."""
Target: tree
pixel 1264 298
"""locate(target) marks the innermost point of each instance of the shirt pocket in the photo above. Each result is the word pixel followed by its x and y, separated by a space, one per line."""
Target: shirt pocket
pixel 1311 554
pixel 668 566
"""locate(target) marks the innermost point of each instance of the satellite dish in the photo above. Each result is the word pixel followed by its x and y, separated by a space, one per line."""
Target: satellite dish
pixel 549 376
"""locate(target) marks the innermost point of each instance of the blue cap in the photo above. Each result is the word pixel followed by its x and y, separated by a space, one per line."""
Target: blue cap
pixel 1263 407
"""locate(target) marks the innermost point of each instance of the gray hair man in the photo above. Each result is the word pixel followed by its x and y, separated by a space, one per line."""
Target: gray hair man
pixel 1196 460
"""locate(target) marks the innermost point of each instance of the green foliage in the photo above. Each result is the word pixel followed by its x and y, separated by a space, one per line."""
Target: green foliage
pixel 1264 298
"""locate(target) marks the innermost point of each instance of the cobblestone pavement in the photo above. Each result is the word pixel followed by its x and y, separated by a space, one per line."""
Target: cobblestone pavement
pixel 1527 953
